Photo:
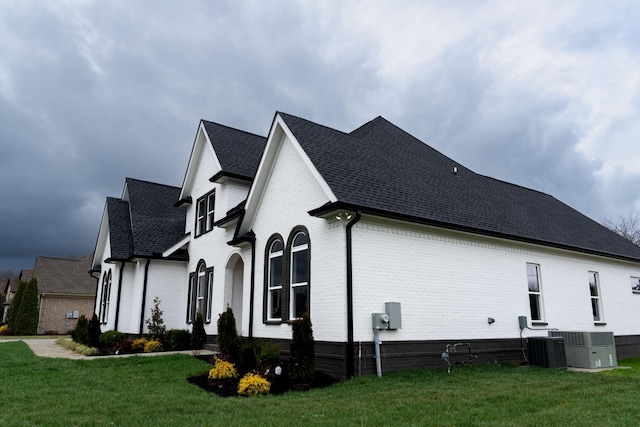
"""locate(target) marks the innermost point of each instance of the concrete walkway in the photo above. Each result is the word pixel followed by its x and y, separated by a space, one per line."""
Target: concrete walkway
pixel 48 348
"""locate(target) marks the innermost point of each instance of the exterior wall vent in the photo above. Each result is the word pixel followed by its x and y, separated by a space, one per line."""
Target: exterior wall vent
pixel 588 349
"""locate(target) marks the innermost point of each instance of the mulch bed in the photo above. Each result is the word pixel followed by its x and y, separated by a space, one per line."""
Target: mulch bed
pixel 279 385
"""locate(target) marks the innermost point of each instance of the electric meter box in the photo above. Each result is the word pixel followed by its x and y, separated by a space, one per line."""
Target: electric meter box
pixel 395 316
pixel 380 320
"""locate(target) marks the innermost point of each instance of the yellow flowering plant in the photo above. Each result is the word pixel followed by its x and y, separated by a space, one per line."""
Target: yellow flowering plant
pixel 222 370
pixel 138 344
pixel 152 346
pixel 252 385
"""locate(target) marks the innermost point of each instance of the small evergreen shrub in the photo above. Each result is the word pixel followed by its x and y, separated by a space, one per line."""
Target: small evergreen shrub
pixel 152 346
pixel 4 330
pixel 222 370
pixel 247 359
pixel 156 324
pixel 269 355
pixel 94 332
pixel 198 334
pixel 139 344
pixel 177 339
pixel 302 366
pixel 80 333
pixel 228 343
pixel 110 339
pixel 252 385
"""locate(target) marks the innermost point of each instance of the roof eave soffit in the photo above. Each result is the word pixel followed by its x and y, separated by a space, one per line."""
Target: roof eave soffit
pixel 199 145
pixel 102 240
pixel 278 133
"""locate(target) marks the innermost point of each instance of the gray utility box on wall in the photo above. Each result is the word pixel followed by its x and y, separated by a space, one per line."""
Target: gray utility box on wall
pixel 395 316
pixel 588 349
pixel 547 352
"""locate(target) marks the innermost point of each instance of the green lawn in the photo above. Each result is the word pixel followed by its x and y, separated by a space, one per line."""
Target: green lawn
pixel 153 391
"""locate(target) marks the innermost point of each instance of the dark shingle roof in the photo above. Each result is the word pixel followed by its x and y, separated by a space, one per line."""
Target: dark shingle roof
pixel 64 276
pixel 382 169
pixel 120 228
pixel 155 223
pixel 239 152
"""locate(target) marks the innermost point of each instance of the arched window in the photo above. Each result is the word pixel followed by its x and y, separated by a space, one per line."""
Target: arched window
pixel 274 279
pixel 105 297
pixel 200 293
pixel 299 274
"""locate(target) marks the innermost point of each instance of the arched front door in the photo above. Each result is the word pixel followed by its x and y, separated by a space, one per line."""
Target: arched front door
pixel 233 289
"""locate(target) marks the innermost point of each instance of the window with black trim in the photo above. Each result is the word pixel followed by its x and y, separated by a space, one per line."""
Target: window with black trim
pixel 205 213
pixel 200 293
pixel 535 292
pixel 635 285
pixel 596 303
pixel 299 275
pixel 275 257
pixel 105 297
pixel 287 276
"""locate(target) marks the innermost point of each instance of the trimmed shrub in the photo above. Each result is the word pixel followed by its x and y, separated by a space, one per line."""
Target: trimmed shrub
pixel 26 321
pixel 248 353
pixel 94 332
pixel 228 343
pixel 222 370
pixel 80 333
pixel 177 339
pixel 156 324
pixel 302 366
pixel 152 346
pixel 198 334
pixel 5 330
pixel 269 356
pixel 138 344
pixel 252 385
pixel 110 339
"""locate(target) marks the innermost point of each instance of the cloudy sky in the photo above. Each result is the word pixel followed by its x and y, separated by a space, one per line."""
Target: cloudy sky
pixel 541 94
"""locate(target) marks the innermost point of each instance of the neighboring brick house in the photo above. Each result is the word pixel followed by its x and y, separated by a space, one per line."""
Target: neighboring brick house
pixel 10 290
pixel 338 224
pixel 66 292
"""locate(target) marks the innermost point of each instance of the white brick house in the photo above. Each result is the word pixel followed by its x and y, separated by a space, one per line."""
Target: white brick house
pixel 338 224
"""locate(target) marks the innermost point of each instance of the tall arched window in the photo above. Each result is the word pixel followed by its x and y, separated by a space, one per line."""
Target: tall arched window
pixel 275 256
pixel 299 274
pixel 105 297
pixel 200 293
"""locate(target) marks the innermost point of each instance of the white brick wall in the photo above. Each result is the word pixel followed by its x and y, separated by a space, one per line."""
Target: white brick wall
pixel 450 283
pixel 291 192
pixel 212 246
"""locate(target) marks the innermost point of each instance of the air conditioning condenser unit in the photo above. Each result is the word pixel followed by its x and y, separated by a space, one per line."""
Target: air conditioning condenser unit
pixel 588 349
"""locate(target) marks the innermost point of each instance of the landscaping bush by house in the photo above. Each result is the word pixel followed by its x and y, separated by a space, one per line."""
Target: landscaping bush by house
pixel 177 339
pixel 198 334
pixel 80 333
pixel 26 320
pixel 302 365
pixel 152 346
pixel 252 385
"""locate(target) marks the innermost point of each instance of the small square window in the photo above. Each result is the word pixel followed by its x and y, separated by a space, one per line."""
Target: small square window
pixel 635 285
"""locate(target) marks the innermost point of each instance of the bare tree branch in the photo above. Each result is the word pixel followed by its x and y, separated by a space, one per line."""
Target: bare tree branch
pixel 626 226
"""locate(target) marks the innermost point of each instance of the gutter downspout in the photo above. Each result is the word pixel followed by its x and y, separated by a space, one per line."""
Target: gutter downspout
pixel 349 350
pixel 253 284
pixel 115 327
pixel 144 295
pixel 96 294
